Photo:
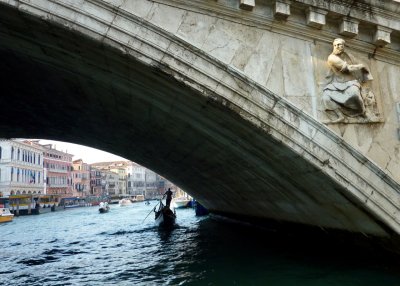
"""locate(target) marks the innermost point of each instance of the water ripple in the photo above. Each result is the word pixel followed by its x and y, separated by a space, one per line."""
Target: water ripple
pixel 81 247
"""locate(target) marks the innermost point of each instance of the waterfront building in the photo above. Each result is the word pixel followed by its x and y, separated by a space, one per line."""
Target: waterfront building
pixel 21 168
pixel 80 179
pixel 95 182
pixel 110 183
pixel 154 184
pixel 120 169
pixel 116 167
pixel 136 179
pixel 58 166
pixel 133 179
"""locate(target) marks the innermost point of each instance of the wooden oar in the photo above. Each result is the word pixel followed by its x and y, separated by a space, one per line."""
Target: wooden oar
pixel 151 211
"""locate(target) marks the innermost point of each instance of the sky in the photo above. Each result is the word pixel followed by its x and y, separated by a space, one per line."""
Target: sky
pixel 87 154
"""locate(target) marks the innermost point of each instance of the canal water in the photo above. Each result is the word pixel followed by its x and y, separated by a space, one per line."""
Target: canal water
pixel 82 247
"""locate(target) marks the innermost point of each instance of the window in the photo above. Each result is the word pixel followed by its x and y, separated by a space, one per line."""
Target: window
pixel 0 152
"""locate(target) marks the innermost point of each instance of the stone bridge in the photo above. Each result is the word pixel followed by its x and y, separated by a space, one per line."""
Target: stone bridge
pixel 224 98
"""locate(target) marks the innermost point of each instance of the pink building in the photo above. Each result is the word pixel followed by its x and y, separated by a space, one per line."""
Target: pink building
pixel 57 166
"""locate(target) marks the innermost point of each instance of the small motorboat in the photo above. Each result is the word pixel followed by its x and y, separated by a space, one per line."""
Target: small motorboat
pixel 164 216
pixel 5 215
pixel 180 202
pixel 125 202
pixel 103 207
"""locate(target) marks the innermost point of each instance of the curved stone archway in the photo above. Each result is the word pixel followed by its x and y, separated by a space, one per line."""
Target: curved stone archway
pixel 101 77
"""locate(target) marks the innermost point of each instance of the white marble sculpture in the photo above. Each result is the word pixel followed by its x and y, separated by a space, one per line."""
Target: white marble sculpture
pixel 346 93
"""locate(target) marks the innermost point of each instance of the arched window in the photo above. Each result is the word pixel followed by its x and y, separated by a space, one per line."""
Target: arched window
pixel 24 192
pixel 12 193
pixel 12 152
pixel 18 192
pixel 0 152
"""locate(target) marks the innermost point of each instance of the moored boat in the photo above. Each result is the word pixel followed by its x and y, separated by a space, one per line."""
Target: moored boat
pixel 180 202
pixel 164 216
pixel 5 215
pixel 48 203
pixel 72 202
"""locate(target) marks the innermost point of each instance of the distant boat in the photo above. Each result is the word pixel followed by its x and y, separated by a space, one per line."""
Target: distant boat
pixel 164 216
pixel 5 215
pixel 180 202
pixel 103 207
pixel 125 202
pixel 72 202
pixel 138 198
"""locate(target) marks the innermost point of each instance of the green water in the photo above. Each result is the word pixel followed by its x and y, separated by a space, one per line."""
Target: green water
pixel 82 247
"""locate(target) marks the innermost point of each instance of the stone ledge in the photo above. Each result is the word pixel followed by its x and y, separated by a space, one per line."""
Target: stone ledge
pixel 265 17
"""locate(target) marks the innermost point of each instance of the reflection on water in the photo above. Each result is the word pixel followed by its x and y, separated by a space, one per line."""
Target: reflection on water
pixel 82 247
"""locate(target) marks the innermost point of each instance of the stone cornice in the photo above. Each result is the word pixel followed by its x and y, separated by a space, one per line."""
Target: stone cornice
pixel 263 20
pixel 372 11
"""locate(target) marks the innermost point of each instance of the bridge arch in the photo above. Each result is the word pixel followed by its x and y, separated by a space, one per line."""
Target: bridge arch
pixel 134 89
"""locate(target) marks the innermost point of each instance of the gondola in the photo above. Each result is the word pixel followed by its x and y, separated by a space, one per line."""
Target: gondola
pixel 164 216
pixel 103 207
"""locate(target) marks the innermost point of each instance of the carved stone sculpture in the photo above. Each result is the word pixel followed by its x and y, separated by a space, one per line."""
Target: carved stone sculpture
pixel 345 93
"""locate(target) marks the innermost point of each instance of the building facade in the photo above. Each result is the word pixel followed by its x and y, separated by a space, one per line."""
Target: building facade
pixel 21 168
pixel 58 167
pixel 136 179
pixel 80 179
pixel 95 182
pixel 120 169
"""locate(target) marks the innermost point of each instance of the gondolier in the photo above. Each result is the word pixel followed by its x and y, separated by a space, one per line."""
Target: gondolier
pixel 168 195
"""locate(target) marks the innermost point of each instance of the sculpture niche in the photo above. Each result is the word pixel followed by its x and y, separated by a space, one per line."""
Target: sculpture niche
pixel 346 93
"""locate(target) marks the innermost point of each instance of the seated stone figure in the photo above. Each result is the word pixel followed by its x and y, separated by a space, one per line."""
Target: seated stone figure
pixel 342 93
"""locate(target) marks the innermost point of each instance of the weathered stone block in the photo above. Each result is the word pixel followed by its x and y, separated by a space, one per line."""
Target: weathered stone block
pixel 349 27
pixel 281 10
pixel 247 4
pixel 316 17
pixel 382 36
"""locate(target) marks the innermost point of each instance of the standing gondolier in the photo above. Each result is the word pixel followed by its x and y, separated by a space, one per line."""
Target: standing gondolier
pixel 168 195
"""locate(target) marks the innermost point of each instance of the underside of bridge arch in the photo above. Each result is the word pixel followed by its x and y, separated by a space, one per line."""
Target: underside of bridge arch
pixel 58 84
